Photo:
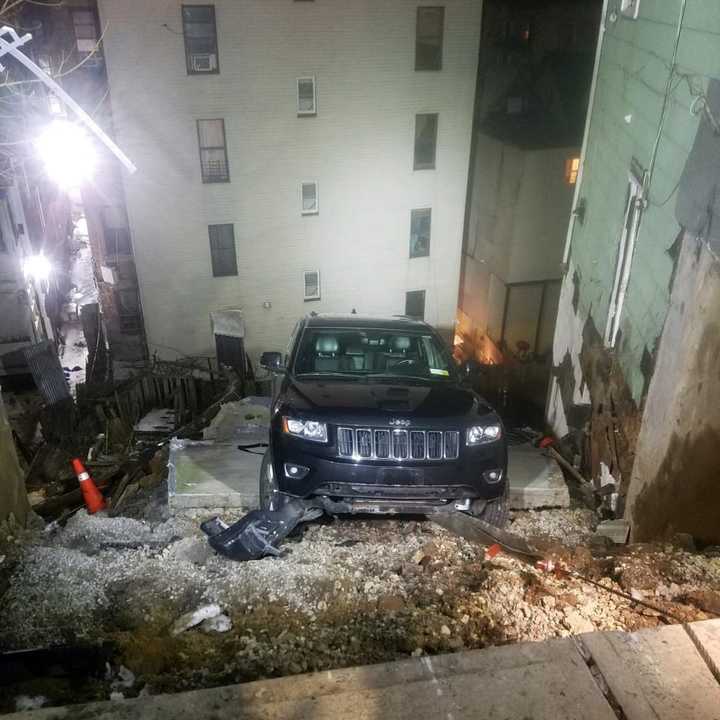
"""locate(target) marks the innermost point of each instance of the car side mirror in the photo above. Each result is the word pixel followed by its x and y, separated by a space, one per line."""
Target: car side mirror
pixel 271 361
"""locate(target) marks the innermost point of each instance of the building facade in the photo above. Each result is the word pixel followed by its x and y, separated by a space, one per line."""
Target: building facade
pixel 67 43
pixel 533 83
pixel 636 341
pixel 292 157
pixel 33 237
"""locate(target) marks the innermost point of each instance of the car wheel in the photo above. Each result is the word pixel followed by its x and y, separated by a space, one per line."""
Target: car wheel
pixel 493 512
pixel 268 489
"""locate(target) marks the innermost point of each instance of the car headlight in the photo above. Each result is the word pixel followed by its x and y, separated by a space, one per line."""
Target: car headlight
pixel 306 429
pixel 482 434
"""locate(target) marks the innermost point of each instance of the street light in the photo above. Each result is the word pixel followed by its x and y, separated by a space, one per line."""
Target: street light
pixel 67 153
pixel 37 267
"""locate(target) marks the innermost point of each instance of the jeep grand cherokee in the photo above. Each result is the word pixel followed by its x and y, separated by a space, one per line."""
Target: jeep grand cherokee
pixel 371 415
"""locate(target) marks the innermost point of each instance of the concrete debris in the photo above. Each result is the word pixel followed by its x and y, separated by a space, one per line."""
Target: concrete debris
pixel 576 623
pixel 571 526
pixel 126 678
pixel 27 702
pixel 239 419
pixel 195 617
pixel 617 531
pixel 342 593
pixel 216 624
pixel 684 541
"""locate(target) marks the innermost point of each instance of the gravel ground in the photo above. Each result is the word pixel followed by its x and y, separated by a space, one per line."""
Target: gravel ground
pixel 343 593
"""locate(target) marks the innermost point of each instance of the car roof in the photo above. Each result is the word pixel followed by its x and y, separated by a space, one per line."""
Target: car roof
pixel 395 322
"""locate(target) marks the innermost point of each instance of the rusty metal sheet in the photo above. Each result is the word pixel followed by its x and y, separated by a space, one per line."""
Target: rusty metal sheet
pixel 47 372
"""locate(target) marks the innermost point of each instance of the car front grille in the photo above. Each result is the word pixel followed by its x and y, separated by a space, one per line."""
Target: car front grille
pixel 386 444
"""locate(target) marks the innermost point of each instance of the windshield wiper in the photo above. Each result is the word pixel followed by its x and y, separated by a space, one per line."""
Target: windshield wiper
pixel 330 374
pixel 391 376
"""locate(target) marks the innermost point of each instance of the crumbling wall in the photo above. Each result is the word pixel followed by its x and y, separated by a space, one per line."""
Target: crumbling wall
pixel 13 498
pixel 590 399
pixel 614 419
pixel 675 483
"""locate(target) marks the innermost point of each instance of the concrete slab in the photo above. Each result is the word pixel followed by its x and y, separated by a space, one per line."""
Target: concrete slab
pixel 209 474
pixel 240 419
pixel 706 636
pixel 543 681
pixel 535 479
pixel 657 674
pixel 214 473
pixel 158 421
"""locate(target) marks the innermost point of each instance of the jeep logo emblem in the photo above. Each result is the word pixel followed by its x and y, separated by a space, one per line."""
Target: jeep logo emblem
pixel 400 423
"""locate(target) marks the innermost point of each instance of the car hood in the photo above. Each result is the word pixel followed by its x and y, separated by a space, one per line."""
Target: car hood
pixel 381 401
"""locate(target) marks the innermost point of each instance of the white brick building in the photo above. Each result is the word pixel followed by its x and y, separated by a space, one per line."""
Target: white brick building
pixel 355 139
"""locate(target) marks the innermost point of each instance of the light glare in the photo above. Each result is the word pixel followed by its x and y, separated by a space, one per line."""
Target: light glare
pixel 37 267
pixel 68 154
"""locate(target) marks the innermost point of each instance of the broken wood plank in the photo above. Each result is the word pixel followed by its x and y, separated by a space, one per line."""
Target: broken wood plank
pixel 655 675
pixel 53 506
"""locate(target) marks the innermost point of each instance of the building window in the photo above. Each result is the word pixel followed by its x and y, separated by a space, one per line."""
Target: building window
pixel 306 97
pixel 626 248
pixel 572 166
pixel 415 304
pixel 115 232
pixel 420 232
pixel 201 50
pixel 309 198
pixel 426 126
pixel 429 38
pixel 117 242
pixel 312 285
pixel 128 306
pixel 213 151
pixel 222 250
pixel 85 26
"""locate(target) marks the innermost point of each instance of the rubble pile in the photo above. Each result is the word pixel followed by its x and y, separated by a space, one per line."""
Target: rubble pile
pixel 342 593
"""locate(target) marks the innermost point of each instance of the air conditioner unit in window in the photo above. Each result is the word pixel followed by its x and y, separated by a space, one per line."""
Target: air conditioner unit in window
pixel 205 62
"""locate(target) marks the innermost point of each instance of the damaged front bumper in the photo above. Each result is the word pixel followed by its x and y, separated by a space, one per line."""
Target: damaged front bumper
pixel 259 533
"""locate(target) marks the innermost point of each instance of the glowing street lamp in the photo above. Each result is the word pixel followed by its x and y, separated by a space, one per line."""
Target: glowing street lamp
pixel 67 153
pixel 37 267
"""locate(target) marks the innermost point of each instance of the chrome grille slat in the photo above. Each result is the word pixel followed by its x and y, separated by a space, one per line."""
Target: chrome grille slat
pixel 399 445
pixel 452 442
pixel 435 445
pixel 363 439
pixel 417 445
pixel 382 444
pixel 345 442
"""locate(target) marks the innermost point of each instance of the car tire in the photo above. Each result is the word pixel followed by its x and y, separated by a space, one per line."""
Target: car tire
pixel 268 487
pixel 495 512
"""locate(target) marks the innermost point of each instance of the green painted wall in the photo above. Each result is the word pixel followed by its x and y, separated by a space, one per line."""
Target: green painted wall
pixel 632 76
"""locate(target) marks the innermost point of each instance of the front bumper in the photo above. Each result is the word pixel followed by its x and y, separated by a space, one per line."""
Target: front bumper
pixel 375 483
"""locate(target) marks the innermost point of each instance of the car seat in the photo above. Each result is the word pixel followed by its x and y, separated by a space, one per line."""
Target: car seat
pixel 326 354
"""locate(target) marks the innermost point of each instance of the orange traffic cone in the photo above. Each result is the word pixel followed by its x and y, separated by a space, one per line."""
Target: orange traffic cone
pixel 93 498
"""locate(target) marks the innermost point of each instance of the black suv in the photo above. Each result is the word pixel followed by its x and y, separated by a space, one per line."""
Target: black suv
pixel 372 415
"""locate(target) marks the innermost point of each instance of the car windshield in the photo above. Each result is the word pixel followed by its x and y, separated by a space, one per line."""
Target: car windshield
pixel 372 353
